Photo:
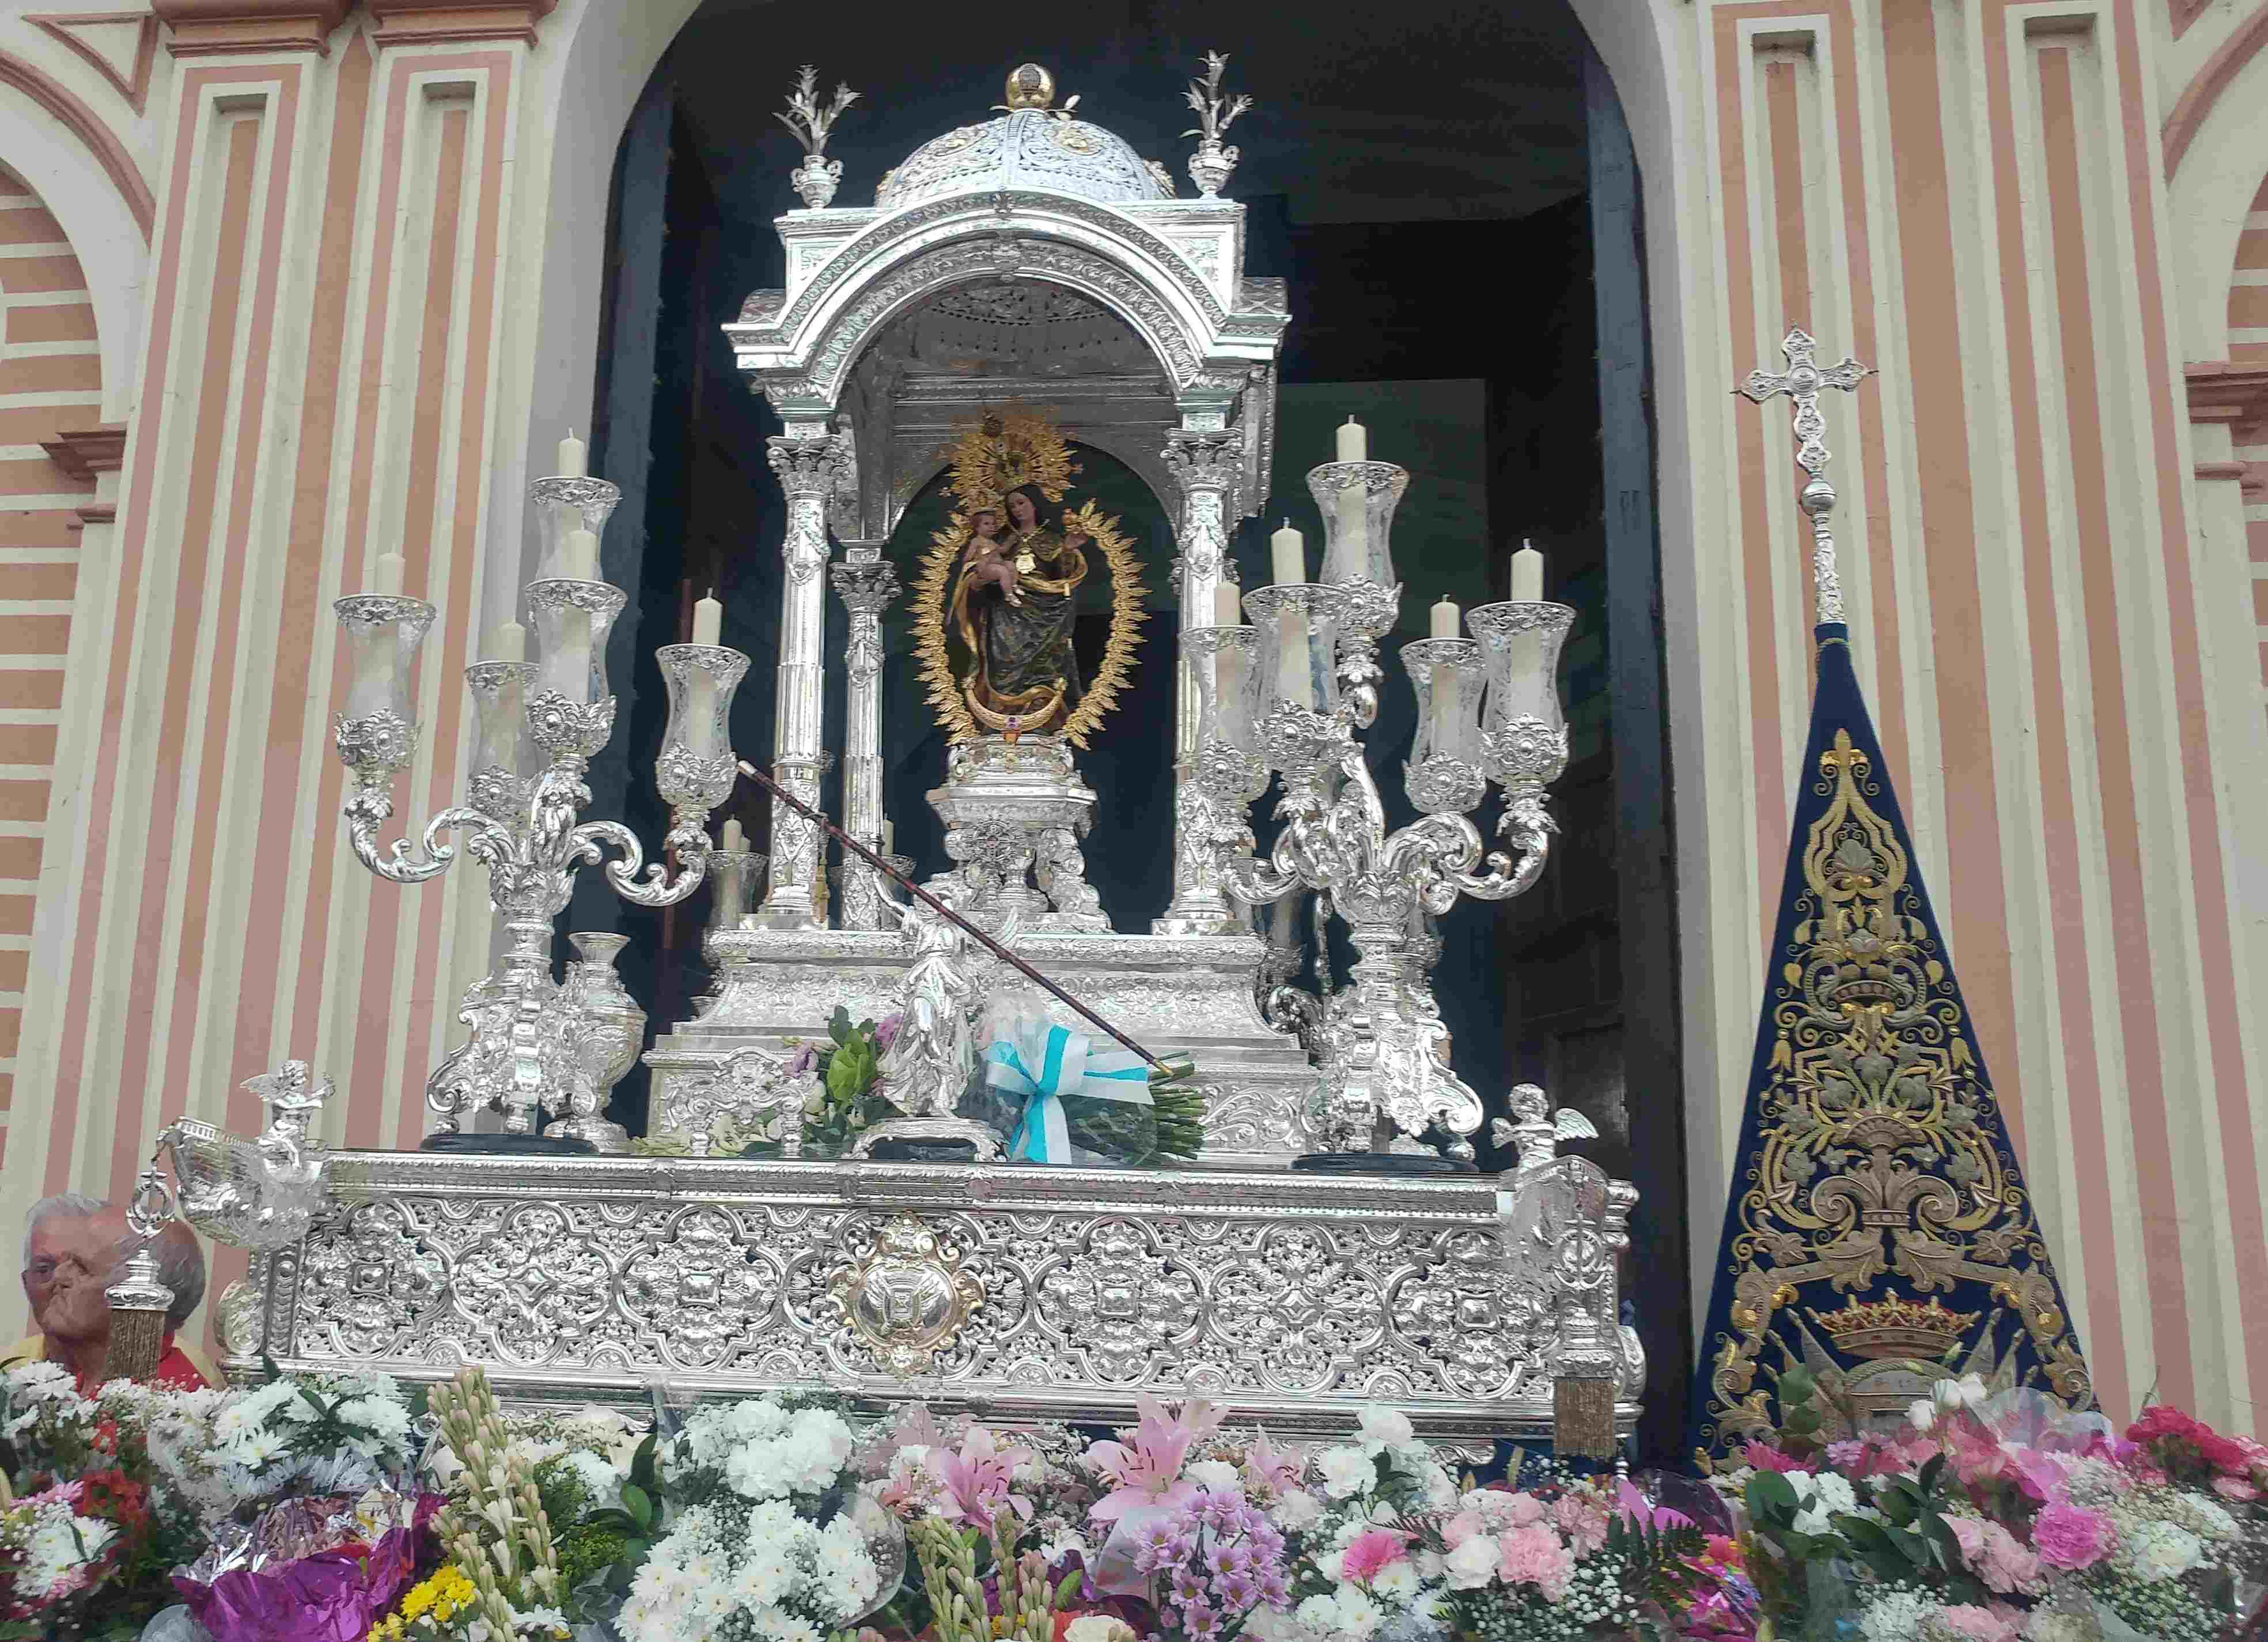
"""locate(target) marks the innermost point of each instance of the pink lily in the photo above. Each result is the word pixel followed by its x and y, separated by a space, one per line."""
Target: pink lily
pixel 979 1478
pixel 1273 1468
pixel 1144 1467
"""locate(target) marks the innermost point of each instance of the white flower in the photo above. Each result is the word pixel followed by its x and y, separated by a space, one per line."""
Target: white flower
pixel 1317 1613
pixel 1812 1520
pixel 1833 1492
pixel 1215 1474
pixel 1474 1564
pixel 1895 1618
pixel 1922 1415
pixel 1390 1427
pixel 2159 1550
pixel 1298 1509
pixel 1966 1392
pixel 2046 1625
pixel 1396 1582
pixel 1345 1471
pixel 1358 1615
pixel 1101 1628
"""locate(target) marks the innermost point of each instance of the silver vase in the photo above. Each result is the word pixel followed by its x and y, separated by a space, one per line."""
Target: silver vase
pixel 607 1048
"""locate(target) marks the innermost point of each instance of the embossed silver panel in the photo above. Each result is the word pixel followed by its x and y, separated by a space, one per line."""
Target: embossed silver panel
pixel 1034 1292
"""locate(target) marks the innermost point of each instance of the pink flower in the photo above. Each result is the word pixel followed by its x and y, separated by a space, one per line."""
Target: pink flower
pixel 978 1478
pixel 1371 1552
pixel 1463 1526
pixel 1995 1556
pixel 2235 1488
pixel 1522 1510
pixel 1272 1469
pixel 1980 1623
pixel 2071 1538
pixel 1764 1457
pixel 1533 1555
pixel 1145 1467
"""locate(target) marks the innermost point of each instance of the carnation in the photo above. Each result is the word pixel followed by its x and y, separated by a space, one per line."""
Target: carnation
pixel 1389 1426
pixel 1346 1472
pixel 2071 1537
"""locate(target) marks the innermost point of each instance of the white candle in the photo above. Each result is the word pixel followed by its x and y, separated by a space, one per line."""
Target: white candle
pixel 1445 680
pixel 1227 606
pixel 1353 511
pixel 1527 575
pixel 568 668
pixel 736 838
pixel 1288 551
pixel 1293 683
pixel 572 455
pixel 1354 441
pixel 392 569
pixel 508 643
pixel 708 619
pixel 889 837
pixel 580 557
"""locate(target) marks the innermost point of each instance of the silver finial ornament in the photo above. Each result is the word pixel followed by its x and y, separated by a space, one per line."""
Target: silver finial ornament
pixel 1801 382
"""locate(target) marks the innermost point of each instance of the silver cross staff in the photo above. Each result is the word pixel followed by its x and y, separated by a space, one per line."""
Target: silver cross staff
pixel 1801 382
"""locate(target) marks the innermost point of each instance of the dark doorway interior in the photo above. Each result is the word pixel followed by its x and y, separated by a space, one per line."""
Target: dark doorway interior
pixel 1447 187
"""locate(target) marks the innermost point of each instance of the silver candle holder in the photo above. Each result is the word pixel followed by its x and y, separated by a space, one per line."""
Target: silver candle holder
pixel 1489 713
pixel 536 726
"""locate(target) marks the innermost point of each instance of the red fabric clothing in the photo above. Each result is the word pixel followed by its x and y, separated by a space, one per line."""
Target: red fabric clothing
pixel 176 1372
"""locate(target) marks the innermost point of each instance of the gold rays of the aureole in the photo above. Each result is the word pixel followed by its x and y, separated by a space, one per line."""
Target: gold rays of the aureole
pixel 933 591
pixel 1011 446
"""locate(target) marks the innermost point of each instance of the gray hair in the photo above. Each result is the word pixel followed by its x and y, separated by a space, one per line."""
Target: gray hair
pixel 180 1261
pixel 181 1268
pixel 76 1205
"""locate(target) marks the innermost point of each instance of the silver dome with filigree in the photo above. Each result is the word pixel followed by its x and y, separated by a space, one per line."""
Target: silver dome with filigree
pixel 1029 147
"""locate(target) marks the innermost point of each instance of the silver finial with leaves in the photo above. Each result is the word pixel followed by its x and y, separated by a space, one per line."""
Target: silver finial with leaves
pixel 811 120
pixel 1212 162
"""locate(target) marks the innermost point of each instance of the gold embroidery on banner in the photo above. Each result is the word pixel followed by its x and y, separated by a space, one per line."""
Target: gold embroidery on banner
pixel 1875 1160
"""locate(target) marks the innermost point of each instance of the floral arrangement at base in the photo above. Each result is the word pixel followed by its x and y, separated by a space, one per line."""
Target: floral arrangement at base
pixel 350 1510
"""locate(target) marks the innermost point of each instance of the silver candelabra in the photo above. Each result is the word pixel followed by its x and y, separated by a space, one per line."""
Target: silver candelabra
pixel 1284 696
pixel 537 725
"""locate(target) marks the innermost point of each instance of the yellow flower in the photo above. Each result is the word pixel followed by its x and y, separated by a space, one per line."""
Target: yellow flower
pixel 436 1601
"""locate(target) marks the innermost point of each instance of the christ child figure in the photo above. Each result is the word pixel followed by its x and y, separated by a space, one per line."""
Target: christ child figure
pixel 985 560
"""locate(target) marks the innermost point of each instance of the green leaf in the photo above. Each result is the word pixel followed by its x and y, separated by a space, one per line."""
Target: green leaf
pixel 839 1028
pixel 639 1504
pixel 1927 1480
pixel 1069 1588
pixel 1772 1498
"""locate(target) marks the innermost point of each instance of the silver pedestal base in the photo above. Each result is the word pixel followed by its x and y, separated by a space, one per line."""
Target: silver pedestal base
pixel 1175 995
pixel 1031 1293
pixel 1014 812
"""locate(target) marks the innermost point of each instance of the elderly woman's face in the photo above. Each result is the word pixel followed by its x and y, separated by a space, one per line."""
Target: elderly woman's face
pixel 1020 510
pixel 73 1259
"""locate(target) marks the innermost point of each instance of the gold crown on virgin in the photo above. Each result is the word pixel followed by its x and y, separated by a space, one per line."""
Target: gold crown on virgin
pixel 1004 449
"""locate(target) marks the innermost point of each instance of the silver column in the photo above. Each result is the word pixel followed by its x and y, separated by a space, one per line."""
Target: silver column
pixel 866 584
pixel 806 459
pixel 1205 464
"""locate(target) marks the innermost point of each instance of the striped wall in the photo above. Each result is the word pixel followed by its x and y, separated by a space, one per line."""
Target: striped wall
pixel 1964 197
pixel 363 236
pixel 50 385
pixel 319 384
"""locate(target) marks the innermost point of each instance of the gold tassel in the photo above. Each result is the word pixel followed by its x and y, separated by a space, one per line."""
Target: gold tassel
pixel 1583 1416
pixel 138 1304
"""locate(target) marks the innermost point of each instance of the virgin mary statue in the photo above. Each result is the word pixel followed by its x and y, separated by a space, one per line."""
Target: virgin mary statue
pixel 1013 606
pixel 999 589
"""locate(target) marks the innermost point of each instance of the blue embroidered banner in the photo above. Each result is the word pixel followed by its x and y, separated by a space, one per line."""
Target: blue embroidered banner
pixel 1878 1219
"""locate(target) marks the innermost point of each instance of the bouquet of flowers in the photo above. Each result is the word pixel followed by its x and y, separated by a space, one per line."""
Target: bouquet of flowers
pixel 761 1538
pixel 1073 1098
pixel 66 1551
pixel 1992 1517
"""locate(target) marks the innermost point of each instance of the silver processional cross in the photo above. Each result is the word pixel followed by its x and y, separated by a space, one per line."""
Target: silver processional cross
pixel 1801 382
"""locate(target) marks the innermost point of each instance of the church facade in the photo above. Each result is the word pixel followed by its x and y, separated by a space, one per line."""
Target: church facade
pixel 291 283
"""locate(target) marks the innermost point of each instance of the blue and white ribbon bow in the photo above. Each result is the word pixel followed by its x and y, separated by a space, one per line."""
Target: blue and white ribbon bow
pixel 1043 1062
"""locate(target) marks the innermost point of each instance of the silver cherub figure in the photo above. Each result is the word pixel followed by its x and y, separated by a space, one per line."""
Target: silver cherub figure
pixel 1535 1129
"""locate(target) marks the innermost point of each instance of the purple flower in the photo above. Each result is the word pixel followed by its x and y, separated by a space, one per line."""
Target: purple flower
pixel 1229 1559
pixel 1273 1591
pixel 1239 1591
pixel 806 1058
pixel 885 1031
pixel 1199 1620
pixel 1189 1586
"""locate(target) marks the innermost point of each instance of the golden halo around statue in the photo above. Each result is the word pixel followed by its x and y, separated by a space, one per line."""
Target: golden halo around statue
pixel 933 590
pixel 1011 446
